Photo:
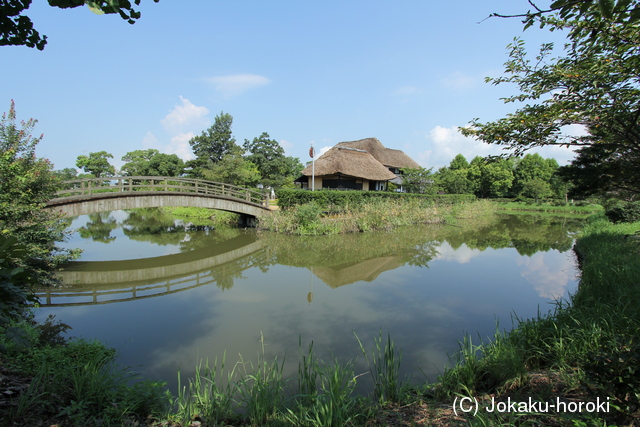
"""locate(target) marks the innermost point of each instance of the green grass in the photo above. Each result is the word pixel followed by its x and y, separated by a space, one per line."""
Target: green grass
pixel 203 216
pixel 549 207
pixel 377 214
pixel 591 342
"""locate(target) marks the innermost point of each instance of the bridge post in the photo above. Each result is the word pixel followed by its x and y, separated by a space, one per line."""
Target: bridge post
pixel 165 184
pixel 89 186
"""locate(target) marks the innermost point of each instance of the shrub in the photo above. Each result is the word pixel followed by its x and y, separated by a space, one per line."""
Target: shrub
pixel 334 199
pixel 629 212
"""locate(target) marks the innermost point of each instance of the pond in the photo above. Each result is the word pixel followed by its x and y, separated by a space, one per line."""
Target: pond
pixel 166 293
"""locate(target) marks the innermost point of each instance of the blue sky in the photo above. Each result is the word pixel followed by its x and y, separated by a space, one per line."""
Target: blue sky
pixel 407 72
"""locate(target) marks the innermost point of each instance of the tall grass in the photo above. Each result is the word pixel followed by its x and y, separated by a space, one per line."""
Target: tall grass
pixel 261 388
pixel 593 340
pixel 208 395
pixel 384 367
pixel 382 214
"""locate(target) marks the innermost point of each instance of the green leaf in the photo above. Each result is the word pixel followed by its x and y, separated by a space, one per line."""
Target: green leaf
pixel 606 8
pixel 18 336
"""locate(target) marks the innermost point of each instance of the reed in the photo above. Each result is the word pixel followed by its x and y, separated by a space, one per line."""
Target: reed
pixel 205 397
pixel 261 388
pixel 384 367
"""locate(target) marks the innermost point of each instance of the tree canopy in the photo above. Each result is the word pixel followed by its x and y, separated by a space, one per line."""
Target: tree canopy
pixel 215 142
pixel 594 85
pixel 151 162
pixel 97 164
pixel 26 184
pixel 16 28
pixel 275 168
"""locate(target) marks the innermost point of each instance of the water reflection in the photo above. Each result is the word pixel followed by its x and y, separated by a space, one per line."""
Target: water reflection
pixel 425 285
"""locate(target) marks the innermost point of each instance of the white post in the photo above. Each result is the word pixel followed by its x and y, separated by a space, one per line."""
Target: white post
pixel 313 168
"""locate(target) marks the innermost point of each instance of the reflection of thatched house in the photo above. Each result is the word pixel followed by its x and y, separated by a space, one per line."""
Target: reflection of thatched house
pixel 347 274
pixel 359 165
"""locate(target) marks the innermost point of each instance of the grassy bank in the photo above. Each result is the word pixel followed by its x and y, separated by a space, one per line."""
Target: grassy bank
pixel 582 350
pixel 311 219
pixel 579 352
pixel 549 207
pixel 203 216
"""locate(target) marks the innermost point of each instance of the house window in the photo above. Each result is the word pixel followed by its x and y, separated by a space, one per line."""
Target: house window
pixel 341 184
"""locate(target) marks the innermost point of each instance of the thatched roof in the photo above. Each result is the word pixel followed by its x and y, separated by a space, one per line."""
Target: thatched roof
pixel 386 156
pixel 351 162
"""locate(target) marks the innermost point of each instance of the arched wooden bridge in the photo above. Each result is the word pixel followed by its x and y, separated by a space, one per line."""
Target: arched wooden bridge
pixel 90 195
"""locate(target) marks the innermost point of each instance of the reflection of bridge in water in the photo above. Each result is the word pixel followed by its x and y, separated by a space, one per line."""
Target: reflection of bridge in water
pixel 104 282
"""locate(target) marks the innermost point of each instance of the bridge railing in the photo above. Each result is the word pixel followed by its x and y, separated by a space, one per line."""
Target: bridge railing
pixel 88 187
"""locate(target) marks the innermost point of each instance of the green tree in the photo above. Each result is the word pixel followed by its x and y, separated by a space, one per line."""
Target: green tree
pixel 26 184
pixel 491 177
pixel 17 29
pixel 66 174
pixel 234 169
pixel 418 180
pixel 536 188
pixel 532 167
pixel 215 142
pixel 97 164
pixel 454 181
pixel 276 169
pixel 458 162
pixel 594 85
pixel 151 162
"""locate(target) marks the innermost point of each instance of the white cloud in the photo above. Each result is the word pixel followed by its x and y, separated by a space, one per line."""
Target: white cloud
pixel 181 124
pixel 150 141
pixel 324 150
pixel 458 81
pixel 180 145
pixel 445 143
pixel 185 117
pixel 549 275
pixel 462 255
pixel 286 145
pixel 236 84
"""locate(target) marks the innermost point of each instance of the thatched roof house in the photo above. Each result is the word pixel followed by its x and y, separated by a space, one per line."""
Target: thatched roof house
pixel 390 158
pixel 359 165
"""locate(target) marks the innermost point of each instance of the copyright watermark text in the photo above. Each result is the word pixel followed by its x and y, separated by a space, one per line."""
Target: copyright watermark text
pixel 471 405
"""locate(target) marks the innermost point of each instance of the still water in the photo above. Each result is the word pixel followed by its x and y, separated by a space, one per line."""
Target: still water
pixel 165 292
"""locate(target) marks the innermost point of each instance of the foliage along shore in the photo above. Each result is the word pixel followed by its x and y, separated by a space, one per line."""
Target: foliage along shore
pixel 314 218
pixel 580 351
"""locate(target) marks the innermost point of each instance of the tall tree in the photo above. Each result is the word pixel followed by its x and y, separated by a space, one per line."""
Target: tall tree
pixel 151 162
pixel 17 29
pixel 458 162
pixel 594 85
pixel 97 164
pixel 533 167
pixel 26 184
pixel 215 142
pixel 418 180
pixel 276 169
pixel 234 169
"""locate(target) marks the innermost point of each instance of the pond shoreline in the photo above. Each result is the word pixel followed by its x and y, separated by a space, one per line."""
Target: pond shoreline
pixel 430 404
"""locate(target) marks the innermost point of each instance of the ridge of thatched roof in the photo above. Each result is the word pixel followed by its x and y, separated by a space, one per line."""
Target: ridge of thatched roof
pixel 350 161
pixel 368 271
pixel 387 156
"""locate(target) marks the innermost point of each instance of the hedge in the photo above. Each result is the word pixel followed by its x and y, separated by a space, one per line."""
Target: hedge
pixel 339 199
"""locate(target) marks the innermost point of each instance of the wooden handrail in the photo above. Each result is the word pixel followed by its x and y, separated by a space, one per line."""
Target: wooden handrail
pixel 159 184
